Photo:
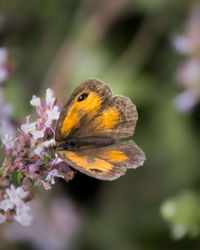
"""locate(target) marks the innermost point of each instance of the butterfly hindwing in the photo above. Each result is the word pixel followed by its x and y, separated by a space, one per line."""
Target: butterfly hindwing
pixel 107 162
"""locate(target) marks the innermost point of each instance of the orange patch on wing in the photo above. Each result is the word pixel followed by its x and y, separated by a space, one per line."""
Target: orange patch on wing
pixel 114 156
pixel 78 109
pixel 108 119
pixel 82 161
pixel 71 121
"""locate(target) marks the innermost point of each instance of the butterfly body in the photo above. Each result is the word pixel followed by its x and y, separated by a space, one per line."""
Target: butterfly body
pixel 89 128
pixel 74 145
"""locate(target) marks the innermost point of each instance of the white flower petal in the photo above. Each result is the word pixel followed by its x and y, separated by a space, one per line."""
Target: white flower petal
pixel 28 127
pixel 8 141
pixel 48 143
pixel 21 193
pixel 37 134
pixel 52 114
pixel 35 101
pixel 52 174
pixel 31 128
pixel 40 148
pixel 50 100
pixel 6 205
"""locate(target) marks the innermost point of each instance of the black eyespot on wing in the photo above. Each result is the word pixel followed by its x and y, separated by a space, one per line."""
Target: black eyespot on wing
pixel 82 97
pixel 95 170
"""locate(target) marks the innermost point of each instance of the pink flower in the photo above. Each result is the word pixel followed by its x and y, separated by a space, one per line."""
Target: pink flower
pixel 51 175
pixel 16 194
pixel 47 113
pixel 53 111
pixel 189 73
pixel 8 141
pixel 52 228
pixel 6 205
pixel 29 128
pixel 14 199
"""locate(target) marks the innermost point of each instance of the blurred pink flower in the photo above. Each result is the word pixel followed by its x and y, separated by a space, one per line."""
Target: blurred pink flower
pixel 188 74
pixel 189 42
pixel 14 199
pixel 6 111
pixel 4 71
pixel 186 101
pixel 53 227
pixel 8 141
pixel 6 205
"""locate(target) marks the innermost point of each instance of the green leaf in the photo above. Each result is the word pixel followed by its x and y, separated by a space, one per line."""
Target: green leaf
pixel 46 159
pixel 14 178
pixel 19 177
pixel 2 170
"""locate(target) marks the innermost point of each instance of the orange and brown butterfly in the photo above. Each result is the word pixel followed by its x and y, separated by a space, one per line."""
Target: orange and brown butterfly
pixel 89 128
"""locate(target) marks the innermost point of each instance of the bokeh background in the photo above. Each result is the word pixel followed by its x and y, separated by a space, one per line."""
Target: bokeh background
pixel 148 50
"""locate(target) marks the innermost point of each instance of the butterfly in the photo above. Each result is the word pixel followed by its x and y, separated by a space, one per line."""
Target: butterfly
pixel 89 128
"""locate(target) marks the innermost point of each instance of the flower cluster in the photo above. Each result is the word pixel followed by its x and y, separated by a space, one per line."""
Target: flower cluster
pixel 28 163
pixel 14 199
pixel 188 75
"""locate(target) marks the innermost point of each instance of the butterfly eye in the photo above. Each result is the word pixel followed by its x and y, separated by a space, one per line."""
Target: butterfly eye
pixel 82 97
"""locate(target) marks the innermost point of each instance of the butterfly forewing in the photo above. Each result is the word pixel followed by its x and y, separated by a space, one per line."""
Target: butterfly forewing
pixel 116 119
pixel 100 114
pixel 77 114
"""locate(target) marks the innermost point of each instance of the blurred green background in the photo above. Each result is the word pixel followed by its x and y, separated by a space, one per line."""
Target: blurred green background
pixel 128 45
